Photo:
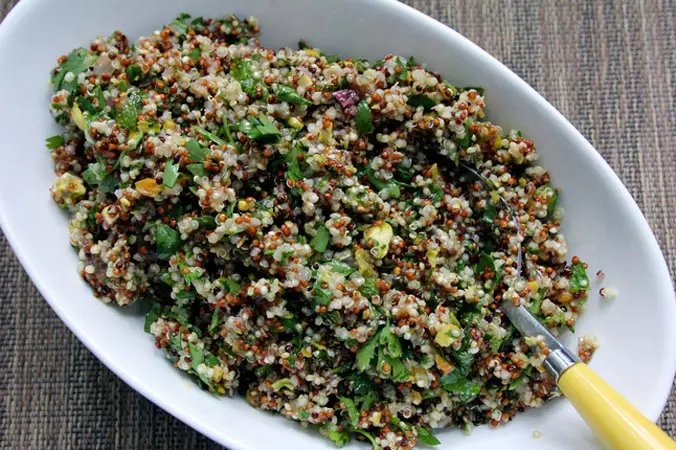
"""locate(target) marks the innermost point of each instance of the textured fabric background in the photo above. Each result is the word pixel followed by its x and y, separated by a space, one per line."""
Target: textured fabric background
pixel 609 66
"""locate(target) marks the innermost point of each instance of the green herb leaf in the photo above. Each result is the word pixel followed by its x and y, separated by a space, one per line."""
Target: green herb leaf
pixel 170 173
pixel 293 170
pixel 399 372
pixel 339 267
pixel 196 152
pixel 95 173
pixel 289 95
pixel 340 438
pixel 130 111
pixel 421 100
pixel 215 321
pixel 352 411
pixel 320 241
pixel 363 119
pixel 209 135
pixel 320 297
pixel 243 72
pixel 86 105
pixel 495 342
pixel 196 356
pixel 195 54
pixel 426 437
pixel 108 184
pixel 549 196
pixel 197 170
pixel 134 73
pixel 167 240
pixel 366 353
pixel 466 140
pixel 55 141
pixel 206 222
pixel 230 209
pixel 226 130
pixel 262 128
pixel 152 317
pixel 485 261
pixel 368 289
pixel 211 360
pixel 391 186
pixel 76 62
pixel 490 213
pixel 403 73
pixel 233 286
pixel 390 341
pixel 464 359
pixel 458 384
pixel 371 439
pixel 536 303
pixel 100 98
pixel 579 281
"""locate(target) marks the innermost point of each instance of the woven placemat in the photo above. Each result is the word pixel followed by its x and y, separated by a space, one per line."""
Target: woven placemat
pixel 607 65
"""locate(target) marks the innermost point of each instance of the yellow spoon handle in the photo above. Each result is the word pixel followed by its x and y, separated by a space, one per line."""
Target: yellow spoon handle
pixel 615 421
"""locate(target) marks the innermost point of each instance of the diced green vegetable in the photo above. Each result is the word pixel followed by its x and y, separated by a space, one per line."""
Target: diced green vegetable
pixel 363 119
pixel 283 383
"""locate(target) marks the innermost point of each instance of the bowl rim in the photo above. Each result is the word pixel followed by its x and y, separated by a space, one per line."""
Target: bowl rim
pixel 448 34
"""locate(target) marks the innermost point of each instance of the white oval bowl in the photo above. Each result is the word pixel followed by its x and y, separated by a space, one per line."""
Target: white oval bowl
pixel 603 224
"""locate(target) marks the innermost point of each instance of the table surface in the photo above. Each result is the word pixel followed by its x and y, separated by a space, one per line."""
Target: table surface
pixel 608 65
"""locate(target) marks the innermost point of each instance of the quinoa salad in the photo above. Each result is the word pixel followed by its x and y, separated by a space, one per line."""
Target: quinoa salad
pixel 304 232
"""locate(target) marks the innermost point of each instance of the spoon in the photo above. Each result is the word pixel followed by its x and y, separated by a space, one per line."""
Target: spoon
pixel 614 421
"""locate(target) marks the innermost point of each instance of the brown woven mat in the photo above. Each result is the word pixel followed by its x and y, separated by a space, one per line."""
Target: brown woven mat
pixel 608 65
